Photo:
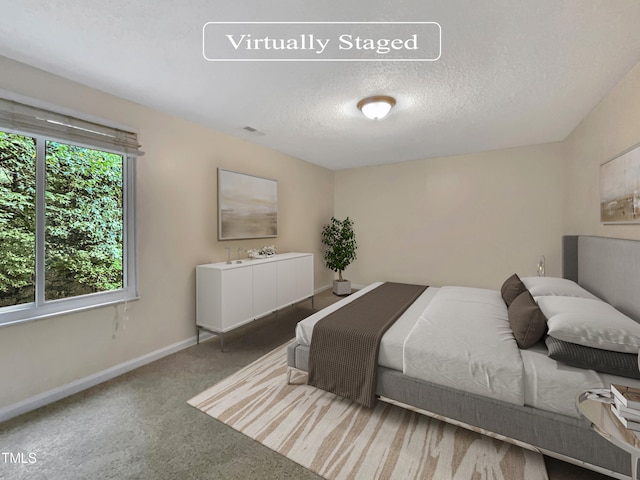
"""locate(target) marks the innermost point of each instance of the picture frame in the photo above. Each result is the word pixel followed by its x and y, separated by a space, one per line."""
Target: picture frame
pixel 620 188
pixel 247 206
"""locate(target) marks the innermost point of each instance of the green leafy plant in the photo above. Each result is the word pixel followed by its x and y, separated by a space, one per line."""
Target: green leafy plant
pixel 340 246
pixel 83 220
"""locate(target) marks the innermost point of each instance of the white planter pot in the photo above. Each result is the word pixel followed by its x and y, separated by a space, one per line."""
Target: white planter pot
pixel 342 288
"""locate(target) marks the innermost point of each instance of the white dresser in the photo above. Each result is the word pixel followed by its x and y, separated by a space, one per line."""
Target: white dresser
pixel 230 295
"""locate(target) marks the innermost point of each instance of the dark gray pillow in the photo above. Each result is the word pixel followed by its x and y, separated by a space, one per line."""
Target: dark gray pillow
pixel 511 288
pixel 607 361
pixel 527 321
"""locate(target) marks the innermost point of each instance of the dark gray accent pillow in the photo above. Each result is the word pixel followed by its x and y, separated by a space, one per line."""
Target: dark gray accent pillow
pixel 527 321
pixel 616 363
pixel 511 288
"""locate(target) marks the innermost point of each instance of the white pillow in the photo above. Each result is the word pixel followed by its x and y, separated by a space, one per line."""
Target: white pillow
pixel 591 323
pixel 543 286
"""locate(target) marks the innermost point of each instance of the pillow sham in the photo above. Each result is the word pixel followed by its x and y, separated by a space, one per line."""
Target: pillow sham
pixel 526 320
pixel 511 288
pixel 545 286
pixel 606 361
pixel 592 323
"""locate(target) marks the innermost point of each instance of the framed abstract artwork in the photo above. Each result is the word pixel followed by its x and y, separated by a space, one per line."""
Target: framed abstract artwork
pixel 247 206
pixel 620 188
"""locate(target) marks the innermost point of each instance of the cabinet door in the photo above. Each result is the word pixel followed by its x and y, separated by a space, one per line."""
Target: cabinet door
pixel 287 279
pixel 295 279
pixel 304 272
pixel 237 297
pixel 208 295
pixel 264 288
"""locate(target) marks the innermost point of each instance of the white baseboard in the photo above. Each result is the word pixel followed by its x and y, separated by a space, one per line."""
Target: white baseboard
pixel 76 386
pixel 322 289
pixel 355 286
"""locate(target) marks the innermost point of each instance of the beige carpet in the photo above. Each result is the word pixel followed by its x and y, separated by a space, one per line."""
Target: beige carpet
pixel 338 439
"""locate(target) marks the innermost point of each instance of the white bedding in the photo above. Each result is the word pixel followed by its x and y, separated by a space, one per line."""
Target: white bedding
pixel 545 384
pixel 392 344
pixel 463 340
pixel 552 386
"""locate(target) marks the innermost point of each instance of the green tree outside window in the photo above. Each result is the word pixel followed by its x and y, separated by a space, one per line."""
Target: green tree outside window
pixel 83 220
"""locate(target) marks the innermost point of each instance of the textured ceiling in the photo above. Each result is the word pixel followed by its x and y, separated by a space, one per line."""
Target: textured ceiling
pixel 511 73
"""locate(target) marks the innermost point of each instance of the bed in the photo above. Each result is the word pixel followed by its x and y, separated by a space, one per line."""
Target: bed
pixel 499 379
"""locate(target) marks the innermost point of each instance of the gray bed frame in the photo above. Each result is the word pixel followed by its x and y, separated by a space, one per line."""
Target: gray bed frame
pixel 609 268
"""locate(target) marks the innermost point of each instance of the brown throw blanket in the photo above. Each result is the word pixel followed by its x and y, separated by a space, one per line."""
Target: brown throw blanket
pixel 343 357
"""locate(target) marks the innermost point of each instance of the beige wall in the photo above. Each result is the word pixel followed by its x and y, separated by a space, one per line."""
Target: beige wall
pixel 176 231
pixel 611 128
pixel 466 220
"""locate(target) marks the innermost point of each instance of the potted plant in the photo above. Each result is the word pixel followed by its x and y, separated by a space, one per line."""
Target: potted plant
pixel 339 251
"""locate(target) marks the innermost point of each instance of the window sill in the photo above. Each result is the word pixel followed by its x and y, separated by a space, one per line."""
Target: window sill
pixel 29 313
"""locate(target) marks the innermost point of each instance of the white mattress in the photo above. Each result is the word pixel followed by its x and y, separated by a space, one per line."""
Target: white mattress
pixel 547 384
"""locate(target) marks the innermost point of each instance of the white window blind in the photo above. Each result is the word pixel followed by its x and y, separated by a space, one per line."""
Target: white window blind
pixel 21 117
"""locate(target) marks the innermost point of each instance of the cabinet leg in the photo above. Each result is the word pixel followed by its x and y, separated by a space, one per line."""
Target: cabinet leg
pixel 222 342
pixel 198 335
pixel 313 298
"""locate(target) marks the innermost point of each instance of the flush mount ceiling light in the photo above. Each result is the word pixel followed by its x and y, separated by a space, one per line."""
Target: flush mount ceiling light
pixel 376 107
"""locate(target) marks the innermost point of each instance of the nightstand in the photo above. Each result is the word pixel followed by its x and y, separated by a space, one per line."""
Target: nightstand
pixel 595 406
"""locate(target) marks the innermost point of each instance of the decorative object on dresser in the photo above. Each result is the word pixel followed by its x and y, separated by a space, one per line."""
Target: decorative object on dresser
pixel 339 251
pixel 231 295
pixel 247 206
pixel 262 252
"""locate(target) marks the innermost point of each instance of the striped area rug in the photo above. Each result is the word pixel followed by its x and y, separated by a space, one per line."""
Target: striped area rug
pixel 339 439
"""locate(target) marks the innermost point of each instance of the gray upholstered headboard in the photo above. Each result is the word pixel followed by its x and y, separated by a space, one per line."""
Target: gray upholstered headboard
pixel 607 267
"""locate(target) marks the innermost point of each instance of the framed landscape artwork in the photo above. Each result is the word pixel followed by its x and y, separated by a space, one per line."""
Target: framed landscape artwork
pixel 620 188
pixel 247 206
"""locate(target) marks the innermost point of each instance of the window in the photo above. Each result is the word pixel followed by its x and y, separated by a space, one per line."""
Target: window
pixel 67 226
